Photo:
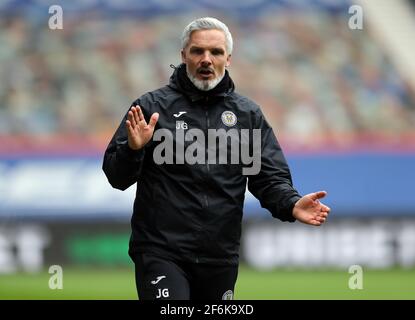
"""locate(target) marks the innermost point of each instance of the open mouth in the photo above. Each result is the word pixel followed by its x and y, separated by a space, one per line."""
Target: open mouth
pixel 205 73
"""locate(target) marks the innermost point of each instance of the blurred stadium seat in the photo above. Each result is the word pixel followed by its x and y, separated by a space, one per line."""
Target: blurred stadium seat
pixel 322 85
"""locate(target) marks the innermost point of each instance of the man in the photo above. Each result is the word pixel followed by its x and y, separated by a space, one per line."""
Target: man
pixel 186 224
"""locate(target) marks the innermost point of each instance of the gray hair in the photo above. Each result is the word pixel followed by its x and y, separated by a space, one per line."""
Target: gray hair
pixel 207 23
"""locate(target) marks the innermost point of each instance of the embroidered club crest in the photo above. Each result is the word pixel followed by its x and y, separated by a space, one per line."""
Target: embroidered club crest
pixel 228 118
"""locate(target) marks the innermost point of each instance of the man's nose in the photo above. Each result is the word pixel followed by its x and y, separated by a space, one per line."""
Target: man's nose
pixel 206 59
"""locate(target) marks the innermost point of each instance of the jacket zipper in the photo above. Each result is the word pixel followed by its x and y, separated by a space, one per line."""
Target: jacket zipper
pixel 207 134
pixel 207 162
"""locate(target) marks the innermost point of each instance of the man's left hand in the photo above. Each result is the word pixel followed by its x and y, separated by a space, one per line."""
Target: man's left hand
pixel 310 210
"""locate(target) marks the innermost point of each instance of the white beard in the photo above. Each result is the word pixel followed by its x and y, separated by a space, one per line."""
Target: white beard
pixel 204 85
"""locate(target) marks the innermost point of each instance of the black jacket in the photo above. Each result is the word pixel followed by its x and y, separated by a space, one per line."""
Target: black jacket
pixel 194 212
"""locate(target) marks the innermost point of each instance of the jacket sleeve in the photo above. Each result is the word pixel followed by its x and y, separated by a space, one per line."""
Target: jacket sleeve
pixel 272 186
pixel 121 164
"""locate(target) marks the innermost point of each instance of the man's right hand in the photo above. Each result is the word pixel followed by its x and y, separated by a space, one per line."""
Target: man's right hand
pixel 139 132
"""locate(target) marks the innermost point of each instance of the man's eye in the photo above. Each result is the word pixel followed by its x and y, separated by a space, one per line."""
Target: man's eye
pixel 217 52
pixel 197 51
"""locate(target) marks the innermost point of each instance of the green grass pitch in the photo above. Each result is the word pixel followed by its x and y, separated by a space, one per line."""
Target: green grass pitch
pixel 87 283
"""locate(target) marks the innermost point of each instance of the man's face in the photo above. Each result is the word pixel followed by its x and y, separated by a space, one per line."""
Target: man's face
pixel 205 55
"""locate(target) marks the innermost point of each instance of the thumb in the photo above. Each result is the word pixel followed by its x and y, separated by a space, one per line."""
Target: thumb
pixel 318 195
pixel 153 120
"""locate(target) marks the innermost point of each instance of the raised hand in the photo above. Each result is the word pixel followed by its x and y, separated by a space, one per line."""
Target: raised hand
pixel 310 210
pixel 139 132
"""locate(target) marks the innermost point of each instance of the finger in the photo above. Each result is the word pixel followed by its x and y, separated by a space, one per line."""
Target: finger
pixel 153 120
pixel 131 118
pixel 320 219
pixel 140 117
pixel 129 127
pixel 325 208
pixel 140 114
pixel 323 214
pixel 316 223
pixel 136 112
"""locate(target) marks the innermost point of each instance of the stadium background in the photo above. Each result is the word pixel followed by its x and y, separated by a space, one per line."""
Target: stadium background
pixel 341 101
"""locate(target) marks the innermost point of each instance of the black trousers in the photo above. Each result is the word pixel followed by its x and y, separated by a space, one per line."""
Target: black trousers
pixel 159 278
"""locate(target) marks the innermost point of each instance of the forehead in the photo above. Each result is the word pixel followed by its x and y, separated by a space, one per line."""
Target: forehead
pixel 207 38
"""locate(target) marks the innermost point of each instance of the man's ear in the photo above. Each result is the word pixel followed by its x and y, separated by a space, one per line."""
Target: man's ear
pixel 183 54
pixel 228 60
